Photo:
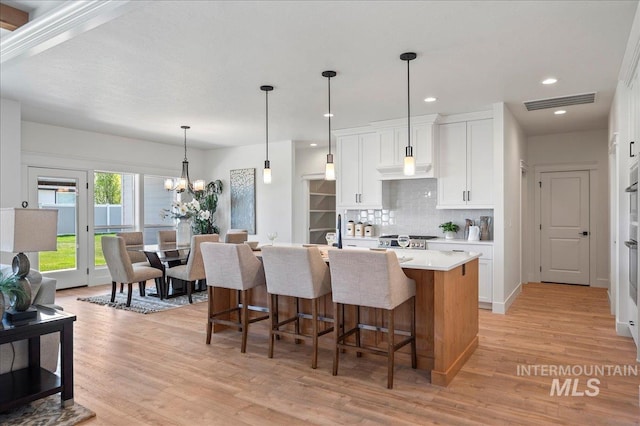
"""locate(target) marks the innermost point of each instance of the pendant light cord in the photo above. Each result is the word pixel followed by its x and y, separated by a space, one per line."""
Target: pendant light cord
pixel 329 86
pixel 185 145
pixel 408 108
pixel 266 100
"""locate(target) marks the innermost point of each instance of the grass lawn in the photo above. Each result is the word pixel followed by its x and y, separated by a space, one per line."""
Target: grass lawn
pixel 65 256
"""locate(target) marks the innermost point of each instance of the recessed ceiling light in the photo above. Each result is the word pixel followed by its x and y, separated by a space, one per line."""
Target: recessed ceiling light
pixel 550 80
pixel 560 112
pixel 430 99
pixel 313 144
pixel 328 115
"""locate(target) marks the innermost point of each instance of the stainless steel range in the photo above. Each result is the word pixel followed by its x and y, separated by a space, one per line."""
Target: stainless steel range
pixel 416 242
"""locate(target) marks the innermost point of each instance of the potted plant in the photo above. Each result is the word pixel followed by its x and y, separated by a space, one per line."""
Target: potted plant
pixel 10 287
pixel 449 229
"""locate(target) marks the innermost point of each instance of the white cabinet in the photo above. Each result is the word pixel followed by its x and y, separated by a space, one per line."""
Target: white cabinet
pixel 485 266
pixel 634 113
pixel 393 141
pixel 358 181
pixel 364 242
pixel 465 164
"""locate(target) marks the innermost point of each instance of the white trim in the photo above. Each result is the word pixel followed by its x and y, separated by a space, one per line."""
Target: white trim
pixel 601 283
pixel 65 22
pixel 399 122
pixel 503 307
pixel 592 168
pixel 470 116
pixel 622 329
pixel 353 131
pixel 312 176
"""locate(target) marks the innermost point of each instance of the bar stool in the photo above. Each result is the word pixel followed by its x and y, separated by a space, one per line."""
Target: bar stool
pixel 232 266
pixel 297 272
pixel 375 280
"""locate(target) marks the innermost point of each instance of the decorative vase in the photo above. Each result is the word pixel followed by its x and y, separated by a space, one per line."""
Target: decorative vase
pixel 449 235
pixel 21 302
pixel 183 232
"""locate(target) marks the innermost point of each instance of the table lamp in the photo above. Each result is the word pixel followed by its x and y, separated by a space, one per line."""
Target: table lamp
pixel 26 230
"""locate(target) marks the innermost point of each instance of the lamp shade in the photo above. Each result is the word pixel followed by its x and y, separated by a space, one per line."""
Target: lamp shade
pixel 28 230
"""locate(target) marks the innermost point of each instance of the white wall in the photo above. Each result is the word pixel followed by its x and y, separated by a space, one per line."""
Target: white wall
pixel 514 152
pixel 274 202
pixel 10 177
pixel 579 149
pixel 308 161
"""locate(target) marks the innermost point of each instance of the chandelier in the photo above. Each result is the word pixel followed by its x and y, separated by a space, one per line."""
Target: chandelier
pixel 183 183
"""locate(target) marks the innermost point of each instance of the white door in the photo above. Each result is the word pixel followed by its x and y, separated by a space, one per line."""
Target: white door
pixel 370 184
pixel 565 234
pixel 65 190
pixel 348 173
pixel 452 165
pixel 479 157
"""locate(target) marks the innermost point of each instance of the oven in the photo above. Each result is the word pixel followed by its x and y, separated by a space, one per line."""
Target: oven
pixel 416 242
pixel 632 242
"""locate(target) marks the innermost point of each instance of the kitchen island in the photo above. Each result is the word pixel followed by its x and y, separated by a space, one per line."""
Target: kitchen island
pixel 446 309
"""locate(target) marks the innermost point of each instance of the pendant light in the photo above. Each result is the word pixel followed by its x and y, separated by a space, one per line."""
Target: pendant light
pixel 183 183
pixel 266 173
pixel 409 160
pixel 330 169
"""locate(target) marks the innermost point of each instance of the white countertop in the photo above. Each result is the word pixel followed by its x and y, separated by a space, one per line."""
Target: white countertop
pixel 432 260
pixel 461 241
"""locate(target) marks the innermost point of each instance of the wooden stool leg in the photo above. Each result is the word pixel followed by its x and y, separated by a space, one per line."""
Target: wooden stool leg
pixel 297 329
pixel 336 336
pixel 390 349
pixel 113 290
pixel 314 331
pixel 209 314
pixel 414 357
pixel 358 354
pixel 272 321
pixel 245 320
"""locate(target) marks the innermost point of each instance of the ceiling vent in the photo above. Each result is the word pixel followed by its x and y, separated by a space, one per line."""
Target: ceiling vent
pixel 585 98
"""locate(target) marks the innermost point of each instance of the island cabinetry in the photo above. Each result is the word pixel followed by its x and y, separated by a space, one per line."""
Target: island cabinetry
pixel 465 164
pixel 358 184
pixel 485 266
pixel 392 135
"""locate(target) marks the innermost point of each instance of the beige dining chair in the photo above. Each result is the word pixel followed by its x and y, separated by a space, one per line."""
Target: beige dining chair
pixel 235 267
pixel 123 271
pixel 193 270
pixel 133 238
pixel 236 236
pixel 301 273
pixel 374 280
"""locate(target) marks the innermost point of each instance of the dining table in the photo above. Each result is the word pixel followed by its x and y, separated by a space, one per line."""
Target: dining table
pixel 163 256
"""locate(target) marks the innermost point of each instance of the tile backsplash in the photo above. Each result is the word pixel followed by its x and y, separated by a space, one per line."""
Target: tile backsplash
pixel 409 207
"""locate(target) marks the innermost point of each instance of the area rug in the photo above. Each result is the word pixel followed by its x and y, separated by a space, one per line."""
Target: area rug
pixel 147 304
pixel 44 412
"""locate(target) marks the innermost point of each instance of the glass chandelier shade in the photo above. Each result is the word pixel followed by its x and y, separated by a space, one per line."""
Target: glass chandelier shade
pixel 183 183
pixel 330 169
pixel 409 168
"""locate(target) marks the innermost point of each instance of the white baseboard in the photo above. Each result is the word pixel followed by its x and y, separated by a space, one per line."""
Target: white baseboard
pixel 601 283
pixel 503 307
pixel 622 329
pixel 612 303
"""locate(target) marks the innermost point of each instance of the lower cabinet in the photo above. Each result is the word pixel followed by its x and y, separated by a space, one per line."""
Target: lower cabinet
pixel 365 242
pixel 485 266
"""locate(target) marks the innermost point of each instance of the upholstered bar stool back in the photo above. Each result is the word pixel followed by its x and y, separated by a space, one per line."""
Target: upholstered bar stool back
pixel 123 271
pixel 236 236
pixel 298 272
pixel 193 270
pixel 232 266
pixel 375 280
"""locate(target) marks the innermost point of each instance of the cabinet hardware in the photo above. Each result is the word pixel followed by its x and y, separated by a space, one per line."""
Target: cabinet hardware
pixel 464 196
pixel 631 154
pixel 468 195
pixel 356 198
pixel 584 233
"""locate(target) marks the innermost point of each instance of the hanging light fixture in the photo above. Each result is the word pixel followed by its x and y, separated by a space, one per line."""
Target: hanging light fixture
pixel 266 173
pixel 409 160
pixel 330 169
pixel 183 183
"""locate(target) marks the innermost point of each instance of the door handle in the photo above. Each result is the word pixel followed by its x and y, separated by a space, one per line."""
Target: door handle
pixel 468 195
pixel 584 233
pixel 631 244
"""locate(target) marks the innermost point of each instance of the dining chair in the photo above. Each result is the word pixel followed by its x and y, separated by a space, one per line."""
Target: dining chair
pixel 123 271
pixel 193 270
pixel 235 267
pixel 236 236
pixel 168 237
pixel 133 238
pixel 374 280
pixel 301 273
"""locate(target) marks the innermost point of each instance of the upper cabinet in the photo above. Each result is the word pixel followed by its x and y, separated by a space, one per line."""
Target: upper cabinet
pixel 634 113
pixel 465 164
pixel 392 138
pixel 358 184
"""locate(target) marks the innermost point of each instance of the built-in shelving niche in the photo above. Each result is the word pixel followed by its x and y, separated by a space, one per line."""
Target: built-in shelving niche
pixel 322 210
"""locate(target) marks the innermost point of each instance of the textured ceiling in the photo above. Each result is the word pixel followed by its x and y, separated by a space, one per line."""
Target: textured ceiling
pixel 167 63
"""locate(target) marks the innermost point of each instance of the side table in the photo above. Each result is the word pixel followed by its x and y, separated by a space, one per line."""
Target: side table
pixel 34 382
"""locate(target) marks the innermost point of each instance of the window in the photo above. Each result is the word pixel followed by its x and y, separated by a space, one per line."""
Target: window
pixel 156 198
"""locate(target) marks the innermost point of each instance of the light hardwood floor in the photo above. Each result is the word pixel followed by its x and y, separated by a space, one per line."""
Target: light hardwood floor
pixel 157 370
